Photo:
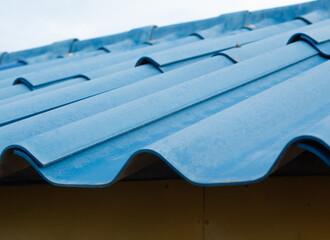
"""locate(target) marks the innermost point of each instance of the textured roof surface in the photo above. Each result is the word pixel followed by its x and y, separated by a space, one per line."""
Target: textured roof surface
pixel 225 100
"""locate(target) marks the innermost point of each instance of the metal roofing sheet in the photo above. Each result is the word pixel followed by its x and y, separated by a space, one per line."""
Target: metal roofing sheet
pixel 221 101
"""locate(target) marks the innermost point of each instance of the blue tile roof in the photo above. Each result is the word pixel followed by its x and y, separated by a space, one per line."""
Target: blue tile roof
pixel 221 101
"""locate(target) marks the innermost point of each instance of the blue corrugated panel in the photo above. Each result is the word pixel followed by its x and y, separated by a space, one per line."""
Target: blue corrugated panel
pixel 221 101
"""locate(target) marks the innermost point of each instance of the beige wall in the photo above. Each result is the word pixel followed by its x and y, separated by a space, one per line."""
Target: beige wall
pixel 278 208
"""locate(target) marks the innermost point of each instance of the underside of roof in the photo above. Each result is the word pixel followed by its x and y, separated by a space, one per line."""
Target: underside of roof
pixel 226 100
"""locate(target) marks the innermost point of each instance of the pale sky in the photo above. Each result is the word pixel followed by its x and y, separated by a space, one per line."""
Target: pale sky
pixel 31 23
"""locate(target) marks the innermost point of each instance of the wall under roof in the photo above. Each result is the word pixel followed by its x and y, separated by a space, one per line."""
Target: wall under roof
pixel 278 208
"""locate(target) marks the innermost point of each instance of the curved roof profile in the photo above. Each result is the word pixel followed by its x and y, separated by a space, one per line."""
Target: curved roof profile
pixel 226 100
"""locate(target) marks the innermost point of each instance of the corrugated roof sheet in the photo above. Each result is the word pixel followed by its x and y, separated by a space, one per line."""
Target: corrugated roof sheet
pixel 222 101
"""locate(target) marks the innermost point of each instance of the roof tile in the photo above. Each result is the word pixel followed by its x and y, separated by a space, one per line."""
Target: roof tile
pixel 219 100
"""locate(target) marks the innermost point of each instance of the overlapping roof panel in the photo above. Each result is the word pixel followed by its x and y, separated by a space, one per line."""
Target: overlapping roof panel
pixel 222 101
